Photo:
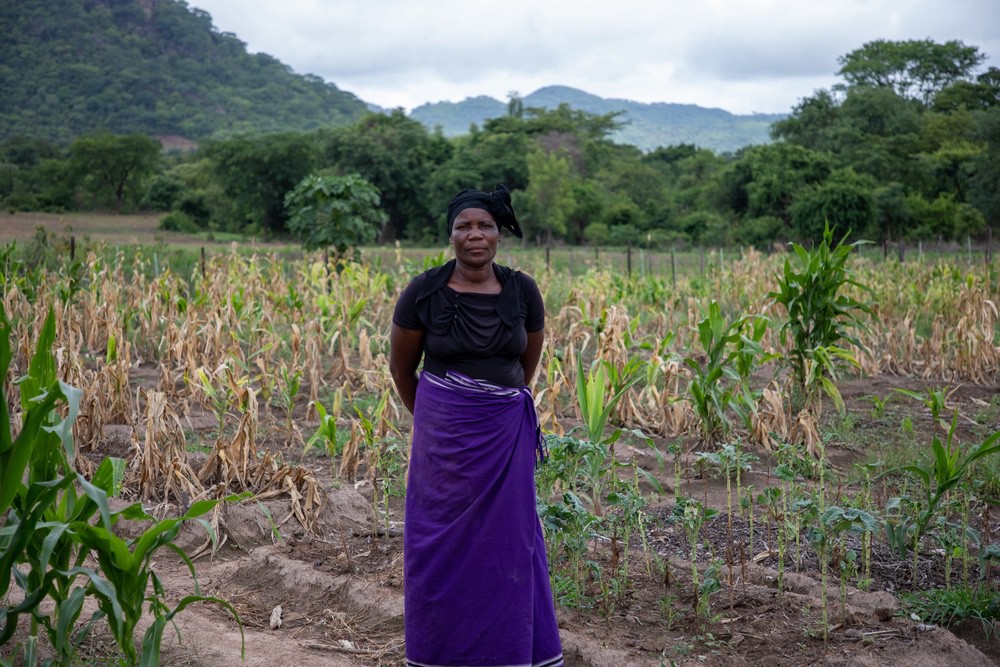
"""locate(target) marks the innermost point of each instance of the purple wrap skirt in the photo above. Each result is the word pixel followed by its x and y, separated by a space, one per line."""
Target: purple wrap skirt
pixel 476 583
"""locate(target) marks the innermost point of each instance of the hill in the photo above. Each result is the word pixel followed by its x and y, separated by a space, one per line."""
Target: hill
pixel 157 67
pixel 645 125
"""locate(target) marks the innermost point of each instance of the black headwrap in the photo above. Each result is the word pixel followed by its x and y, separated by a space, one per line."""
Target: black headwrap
pixel 496 202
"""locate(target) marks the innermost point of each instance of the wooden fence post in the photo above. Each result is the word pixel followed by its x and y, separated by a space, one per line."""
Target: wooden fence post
pixel 673 267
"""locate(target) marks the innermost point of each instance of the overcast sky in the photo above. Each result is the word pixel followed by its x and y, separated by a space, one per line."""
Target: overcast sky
pixel 744 56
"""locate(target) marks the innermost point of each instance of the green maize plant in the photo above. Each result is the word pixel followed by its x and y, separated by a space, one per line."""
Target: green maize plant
pixel 128 568
pixel 55 520
pixel 827 537
pixel 934 400
pixel 326 432
pixel 569 527
pixel 692 516
pixel 732 350
pixel 41 450
pixel 597 396
pixel 822 316
pixel 947 469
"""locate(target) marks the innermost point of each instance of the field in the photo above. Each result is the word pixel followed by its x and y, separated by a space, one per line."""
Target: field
pixel 745 516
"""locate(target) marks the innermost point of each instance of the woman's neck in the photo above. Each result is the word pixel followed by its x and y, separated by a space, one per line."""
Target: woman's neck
pixel 474 278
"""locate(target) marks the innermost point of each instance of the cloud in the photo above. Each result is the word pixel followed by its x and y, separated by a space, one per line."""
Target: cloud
pixel 740 55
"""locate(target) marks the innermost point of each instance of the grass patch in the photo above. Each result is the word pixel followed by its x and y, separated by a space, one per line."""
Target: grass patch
pixel 952 607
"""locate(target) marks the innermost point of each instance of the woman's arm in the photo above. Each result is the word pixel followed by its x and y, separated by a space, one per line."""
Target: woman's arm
pixel 405 349
pixel 532 353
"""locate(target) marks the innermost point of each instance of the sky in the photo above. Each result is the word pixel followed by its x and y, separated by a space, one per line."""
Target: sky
pixel 744 56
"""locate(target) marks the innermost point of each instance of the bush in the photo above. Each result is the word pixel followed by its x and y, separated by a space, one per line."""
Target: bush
pixel 624 235
pixel 194 204
pixel 163 193
pixel 178 222
pixel 596 233
pixel 21 201
pixel 761 232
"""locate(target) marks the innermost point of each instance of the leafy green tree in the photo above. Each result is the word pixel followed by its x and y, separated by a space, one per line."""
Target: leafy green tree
pixel 893 215
pixel 257 172
pixel 335 211
pixel 982 94
pixel 983 191
pixel 914 69
pixel 623 220
pixel 549 196
pixel 27 151
pixel 877 133
pixel 163 191
pixel 587 206
pixel 843 203
pixel 114 165
pixel 942 217
pixel 396 154
pixel 765 180
pixel 643 185
pixel 811 122
pixel 515 104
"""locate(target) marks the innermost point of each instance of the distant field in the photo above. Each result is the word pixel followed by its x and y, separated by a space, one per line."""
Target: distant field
pixel 111 229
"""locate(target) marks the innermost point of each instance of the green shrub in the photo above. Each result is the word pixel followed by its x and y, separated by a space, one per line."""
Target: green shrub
pixel 176 221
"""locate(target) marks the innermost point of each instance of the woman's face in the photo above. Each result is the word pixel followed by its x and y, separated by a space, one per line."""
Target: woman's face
pixel 475 235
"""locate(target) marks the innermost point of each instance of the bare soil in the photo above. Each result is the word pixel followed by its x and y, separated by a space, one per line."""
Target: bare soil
pixel 339 590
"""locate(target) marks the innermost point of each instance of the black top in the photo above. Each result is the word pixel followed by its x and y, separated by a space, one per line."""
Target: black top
pixel 480 335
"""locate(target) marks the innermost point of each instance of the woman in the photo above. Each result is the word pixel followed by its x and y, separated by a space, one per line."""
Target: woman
pixel 476 585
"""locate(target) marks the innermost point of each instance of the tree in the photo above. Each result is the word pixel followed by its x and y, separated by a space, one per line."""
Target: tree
pixel 515 104
pixel 340 211
pixel 257 172
pixel 982 94
pixel 843 203
pixel 811 122
pixel 396 154
pixel 915 69
pixel 549 196
pixel 114 164
pixel 765 180
pixel 983 191
pixel 877 133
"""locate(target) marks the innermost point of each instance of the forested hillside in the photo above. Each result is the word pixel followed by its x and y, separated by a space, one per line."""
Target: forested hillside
pixel 646 126
pixel 156 67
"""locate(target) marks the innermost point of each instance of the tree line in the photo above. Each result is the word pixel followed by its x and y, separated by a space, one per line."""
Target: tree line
pixel 907 146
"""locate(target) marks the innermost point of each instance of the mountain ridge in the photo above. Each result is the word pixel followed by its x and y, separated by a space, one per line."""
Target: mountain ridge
pixel 161 68
pixel 646 125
